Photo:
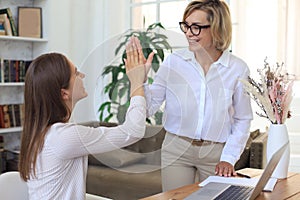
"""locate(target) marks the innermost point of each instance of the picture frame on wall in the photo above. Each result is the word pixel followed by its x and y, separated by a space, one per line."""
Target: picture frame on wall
pixel 30 22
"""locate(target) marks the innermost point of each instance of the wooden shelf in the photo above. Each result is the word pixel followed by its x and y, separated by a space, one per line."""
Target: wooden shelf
pixel 22 39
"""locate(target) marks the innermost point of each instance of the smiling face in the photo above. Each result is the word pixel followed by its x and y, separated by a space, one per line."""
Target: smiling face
pixel 204 39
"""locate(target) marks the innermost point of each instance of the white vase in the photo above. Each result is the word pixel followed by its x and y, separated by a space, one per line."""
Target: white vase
pixel 278 136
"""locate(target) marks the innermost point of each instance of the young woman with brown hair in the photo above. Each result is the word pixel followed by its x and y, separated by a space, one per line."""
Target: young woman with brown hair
pixel 54 153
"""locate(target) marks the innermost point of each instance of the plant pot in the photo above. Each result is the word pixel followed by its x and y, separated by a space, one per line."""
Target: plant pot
pixel 277 137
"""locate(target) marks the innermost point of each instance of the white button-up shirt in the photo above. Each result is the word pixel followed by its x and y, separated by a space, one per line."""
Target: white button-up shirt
pixel 211 107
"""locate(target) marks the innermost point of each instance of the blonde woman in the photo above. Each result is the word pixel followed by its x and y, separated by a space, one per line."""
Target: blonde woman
pixel 207 114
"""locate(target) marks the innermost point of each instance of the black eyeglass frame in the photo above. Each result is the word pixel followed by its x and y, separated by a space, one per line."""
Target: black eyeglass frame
pixel 190 27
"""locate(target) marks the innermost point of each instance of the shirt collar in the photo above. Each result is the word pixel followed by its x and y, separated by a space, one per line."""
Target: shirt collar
pixel 188 55
pixel 224 59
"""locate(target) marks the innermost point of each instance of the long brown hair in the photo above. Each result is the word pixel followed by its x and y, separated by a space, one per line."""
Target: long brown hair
pixel 44 106
pixel 218 15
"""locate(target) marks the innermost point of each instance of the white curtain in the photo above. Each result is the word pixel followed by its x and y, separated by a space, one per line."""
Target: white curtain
pixel 75 29
pixel 267 28
pixel 293 36
pixel 91 29
pixel 270 28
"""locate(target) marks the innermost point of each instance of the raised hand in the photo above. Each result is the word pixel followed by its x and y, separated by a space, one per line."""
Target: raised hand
pixel 147 62
pixel 136 68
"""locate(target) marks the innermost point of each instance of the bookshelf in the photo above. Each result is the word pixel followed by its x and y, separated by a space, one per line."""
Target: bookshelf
pixel 24 48
pixel 19 48
pixel 22 39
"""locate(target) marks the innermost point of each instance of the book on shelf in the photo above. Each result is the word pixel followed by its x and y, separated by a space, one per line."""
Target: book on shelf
pixel 1 70
pixel 8 12
pixel 23 66
pixel 2 26
pixel 11 115
pixel 6 24
pixel 12 71
pixel 30 22
pixel 1 142
pixel 1 154
pixel 5 117
pixel 2 123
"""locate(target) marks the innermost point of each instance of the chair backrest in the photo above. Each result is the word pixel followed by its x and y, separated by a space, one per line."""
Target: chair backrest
pixel 12 187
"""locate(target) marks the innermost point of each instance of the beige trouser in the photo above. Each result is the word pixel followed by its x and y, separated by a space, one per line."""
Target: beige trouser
pixel 181 161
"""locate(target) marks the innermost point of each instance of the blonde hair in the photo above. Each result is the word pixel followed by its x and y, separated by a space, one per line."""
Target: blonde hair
pixel 218 15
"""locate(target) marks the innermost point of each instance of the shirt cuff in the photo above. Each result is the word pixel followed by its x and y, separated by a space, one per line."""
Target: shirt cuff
pixel 228 159
pixel 138 100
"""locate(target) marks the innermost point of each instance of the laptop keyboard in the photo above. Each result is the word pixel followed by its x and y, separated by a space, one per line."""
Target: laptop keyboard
pixel 235 192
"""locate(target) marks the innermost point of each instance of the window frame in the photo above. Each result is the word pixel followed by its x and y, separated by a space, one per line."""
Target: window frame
pixel 133 5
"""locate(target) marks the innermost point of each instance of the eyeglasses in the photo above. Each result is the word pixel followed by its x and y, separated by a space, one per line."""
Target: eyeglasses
pixel 195 29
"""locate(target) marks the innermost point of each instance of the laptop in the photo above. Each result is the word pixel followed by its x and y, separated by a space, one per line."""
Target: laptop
pixel 225 191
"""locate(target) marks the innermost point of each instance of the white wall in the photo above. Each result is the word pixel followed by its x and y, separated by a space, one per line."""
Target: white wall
pixel 87 32
pixel 79 30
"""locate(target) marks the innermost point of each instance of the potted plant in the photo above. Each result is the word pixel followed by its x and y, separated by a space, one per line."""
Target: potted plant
pixel 118 87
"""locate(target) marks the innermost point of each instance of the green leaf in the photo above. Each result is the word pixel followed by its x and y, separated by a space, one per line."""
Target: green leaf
pixel 108 118
pixel 154 25
pixel 155 66
pixel 115 73
pixel 121 84
pixel 105 106
pixel 122 109
pixel 166 45
pixel 111 93
pixel 102 106
pixel 158 36
pixel 155 58
pixel 150 80
pixel 123 91
pixel 160 52
pixel 109 87
pixel 147 51
pixel 119 47
pixel 158 117
pixel 108 69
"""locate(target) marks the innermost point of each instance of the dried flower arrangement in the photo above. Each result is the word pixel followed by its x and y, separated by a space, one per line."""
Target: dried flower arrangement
pixel 273 94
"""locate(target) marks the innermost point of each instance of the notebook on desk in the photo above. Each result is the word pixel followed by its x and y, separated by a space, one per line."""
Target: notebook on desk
pixel 224 191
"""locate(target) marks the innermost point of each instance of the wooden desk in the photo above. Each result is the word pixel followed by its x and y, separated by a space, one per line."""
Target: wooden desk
pixel 284 189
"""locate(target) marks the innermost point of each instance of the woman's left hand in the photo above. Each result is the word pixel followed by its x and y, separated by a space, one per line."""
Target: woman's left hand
pixel 225 169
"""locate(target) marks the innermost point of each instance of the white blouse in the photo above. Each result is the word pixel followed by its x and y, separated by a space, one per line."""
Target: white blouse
pixel 61 166
pixel 211 107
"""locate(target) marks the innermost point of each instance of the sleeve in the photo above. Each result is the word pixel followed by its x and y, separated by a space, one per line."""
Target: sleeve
pixel 72 140
pixel 155 93
pixel 240 128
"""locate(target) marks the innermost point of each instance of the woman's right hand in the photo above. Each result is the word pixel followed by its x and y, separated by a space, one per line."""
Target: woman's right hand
pixel 137 66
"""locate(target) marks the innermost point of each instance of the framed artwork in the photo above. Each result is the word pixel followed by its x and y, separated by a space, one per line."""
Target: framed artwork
pixel 30 22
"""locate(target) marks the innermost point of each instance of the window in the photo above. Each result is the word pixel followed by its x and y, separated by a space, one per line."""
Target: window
pixel 146 12
pixel 257 32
